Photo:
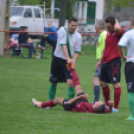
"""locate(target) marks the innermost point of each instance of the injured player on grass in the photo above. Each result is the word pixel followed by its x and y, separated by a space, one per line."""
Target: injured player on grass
pixel 77 104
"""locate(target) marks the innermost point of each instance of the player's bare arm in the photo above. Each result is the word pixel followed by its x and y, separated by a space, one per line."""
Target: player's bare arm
pixel 70 61
pixel 85 96
pixel 75 57
pixel 117 27
pixel 99 62
pixel 124 57
pixel 110 103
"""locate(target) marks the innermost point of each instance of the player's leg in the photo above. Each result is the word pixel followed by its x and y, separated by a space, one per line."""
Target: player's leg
pixel 96 83
pixel 76 82
pixel 129 73
pixel 50 103
pixel 117 94
pixel 54 77
pixel 42 42
pixel 103 82
pixel 71 89
pixel 52 91
pixel 68 79
pixel 114 69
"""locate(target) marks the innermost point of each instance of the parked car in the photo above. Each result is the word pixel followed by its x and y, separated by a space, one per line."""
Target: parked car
pixel 30 16
pixel 125 25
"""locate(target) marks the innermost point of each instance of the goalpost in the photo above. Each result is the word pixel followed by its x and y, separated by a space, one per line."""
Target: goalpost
pixel 4 25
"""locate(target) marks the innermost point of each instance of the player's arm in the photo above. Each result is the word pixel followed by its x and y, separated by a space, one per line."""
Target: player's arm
pixel 77 48
pixel 65 51
pixel 73 100
pixel 53 29
pixel 124 57
pixel 99 62
pixel 117 27
pixel 75 56
pixel 123 43
pixel 62 42
pixel 110 104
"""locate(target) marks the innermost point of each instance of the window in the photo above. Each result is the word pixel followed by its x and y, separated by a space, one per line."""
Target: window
pixel 16 11
pixel 28 13
pixel 81 10
pixel 91 12
pixel 117 9
pixel 37 13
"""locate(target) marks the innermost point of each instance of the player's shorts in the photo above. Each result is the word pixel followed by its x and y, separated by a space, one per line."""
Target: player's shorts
pixel 59 72
pixel 111 71
pixel 129 73
pixel 72 106
pixel 97 73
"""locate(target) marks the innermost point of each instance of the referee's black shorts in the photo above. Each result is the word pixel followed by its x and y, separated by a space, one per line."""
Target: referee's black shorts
pixel 129 73
pixel 59 72
pixel 111 71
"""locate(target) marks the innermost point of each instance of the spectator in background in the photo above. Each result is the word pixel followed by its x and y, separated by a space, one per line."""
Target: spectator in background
pixel 27 42
pixel 100 29
pixel 50 38
pixel 14 41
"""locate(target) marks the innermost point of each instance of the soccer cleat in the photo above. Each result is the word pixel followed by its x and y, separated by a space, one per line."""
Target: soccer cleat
pixel 130 118
pixel 115 110
pixel 36 103
pixel 41 47
pixel 37 57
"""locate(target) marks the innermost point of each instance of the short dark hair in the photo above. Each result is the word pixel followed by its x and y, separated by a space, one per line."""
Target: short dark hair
pixel 100 109
pixel 110 20
pixel 72 19
pixel 23 28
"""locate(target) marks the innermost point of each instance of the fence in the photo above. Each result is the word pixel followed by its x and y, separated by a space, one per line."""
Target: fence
pixel 89 36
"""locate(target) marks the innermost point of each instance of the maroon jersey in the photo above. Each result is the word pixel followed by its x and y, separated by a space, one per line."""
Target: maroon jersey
pixel 85 107
pixel 111 50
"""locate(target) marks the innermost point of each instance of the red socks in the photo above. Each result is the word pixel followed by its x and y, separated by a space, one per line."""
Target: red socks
pixel 106 94
pixel 117 94
pixel 48 104
pixel 75 77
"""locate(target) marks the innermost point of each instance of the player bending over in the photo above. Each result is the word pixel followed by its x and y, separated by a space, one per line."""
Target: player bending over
pixel 76 104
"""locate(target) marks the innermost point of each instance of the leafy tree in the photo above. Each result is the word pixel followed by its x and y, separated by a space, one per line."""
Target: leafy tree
pixel 35 2
pixel 122 3
pixel 63 10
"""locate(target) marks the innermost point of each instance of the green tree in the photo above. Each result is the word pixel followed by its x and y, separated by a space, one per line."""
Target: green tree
pixel 63 11
pixel 122 3
pixel 35 2
pixel 69 10
pixel 30 2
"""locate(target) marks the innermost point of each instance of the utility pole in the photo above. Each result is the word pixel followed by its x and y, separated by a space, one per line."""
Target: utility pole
pixel 4 25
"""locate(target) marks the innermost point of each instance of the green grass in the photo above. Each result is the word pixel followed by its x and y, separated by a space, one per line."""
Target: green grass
pixel 22 79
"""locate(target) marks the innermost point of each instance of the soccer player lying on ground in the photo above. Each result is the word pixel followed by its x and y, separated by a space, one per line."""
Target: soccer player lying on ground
pixel 77 104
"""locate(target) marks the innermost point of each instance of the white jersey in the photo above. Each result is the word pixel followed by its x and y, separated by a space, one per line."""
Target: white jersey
pixel 128 40
pixel 75 42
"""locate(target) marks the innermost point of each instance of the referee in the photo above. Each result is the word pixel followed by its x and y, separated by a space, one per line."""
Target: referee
pixel 67 49
pixel 100 29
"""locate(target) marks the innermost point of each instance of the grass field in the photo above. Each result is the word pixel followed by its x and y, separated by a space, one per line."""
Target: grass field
pixel 22 79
